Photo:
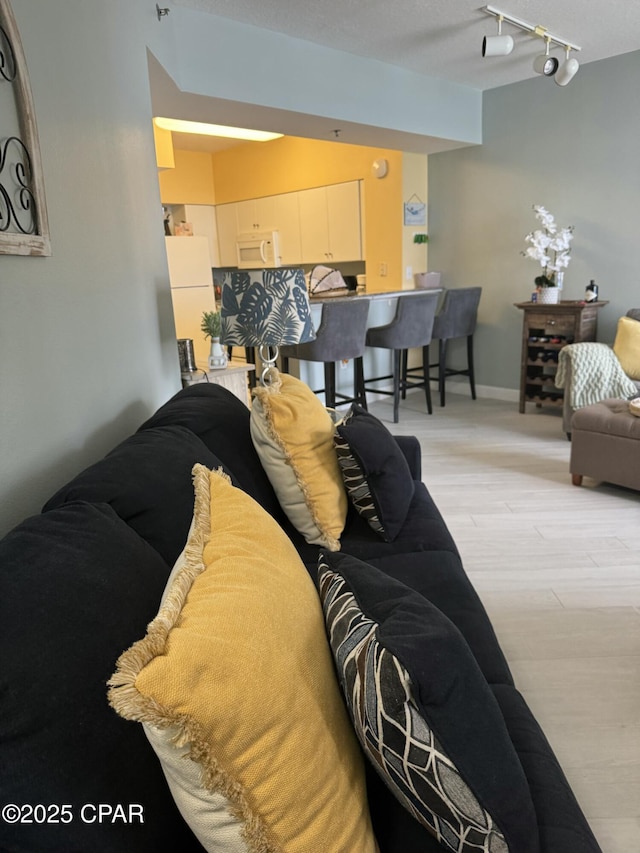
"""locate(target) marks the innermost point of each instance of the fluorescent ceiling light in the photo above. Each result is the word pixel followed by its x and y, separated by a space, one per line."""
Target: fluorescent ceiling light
pixel 203 129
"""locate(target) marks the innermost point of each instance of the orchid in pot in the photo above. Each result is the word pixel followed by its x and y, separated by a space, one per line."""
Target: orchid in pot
pixel 551 248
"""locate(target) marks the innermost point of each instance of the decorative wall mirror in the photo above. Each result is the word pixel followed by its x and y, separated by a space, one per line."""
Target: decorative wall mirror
pixel 24 228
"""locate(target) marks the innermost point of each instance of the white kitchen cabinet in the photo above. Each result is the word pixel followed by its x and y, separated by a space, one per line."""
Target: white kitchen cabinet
pixel 256 214
pixel 330 223
pixel 227 222
pixel 320 225
pixel 287 219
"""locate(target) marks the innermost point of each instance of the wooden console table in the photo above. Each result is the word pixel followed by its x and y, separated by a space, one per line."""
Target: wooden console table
pixel 233 376
pixel 546 329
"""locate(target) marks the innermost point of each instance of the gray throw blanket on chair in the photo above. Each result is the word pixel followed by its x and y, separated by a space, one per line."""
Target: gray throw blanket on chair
pixel 595 374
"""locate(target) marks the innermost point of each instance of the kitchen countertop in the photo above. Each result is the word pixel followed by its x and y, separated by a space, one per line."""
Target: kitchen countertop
pixel 354 294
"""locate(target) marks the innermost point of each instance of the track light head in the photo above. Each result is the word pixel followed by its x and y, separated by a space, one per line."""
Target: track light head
pixel 567 70
pixel 497 45
pixel 545 64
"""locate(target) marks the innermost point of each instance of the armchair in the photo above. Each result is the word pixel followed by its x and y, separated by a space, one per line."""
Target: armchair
pixel 590 372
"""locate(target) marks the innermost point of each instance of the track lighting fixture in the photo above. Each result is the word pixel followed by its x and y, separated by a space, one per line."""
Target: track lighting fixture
pixel 567 70
pixel 497 45
pixel 545 64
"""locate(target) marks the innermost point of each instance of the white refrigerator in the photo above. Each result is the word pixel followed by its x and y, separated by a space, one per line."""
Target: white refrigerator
pixel 191 289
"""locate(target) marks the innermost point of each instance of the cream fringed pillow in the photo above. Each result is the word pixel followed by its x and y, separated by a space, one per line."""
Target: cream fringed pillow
pixel 627 346
pixel 293 436
pixel 235 686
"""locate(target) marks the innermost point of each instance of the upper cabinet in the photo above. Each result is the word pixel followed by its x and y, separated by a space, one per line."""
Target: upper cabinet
pixel 321 225
pixel 287 218
pixel 256 214
pixel 227 221
pixel 330 223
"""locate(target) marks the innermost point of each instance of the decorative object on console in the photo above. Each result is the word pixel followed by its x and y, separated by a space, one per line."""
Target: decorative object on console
pixel 211 325
pixel 265 308
pixel 187 356
pixel 375 472
pixel 292 433
pixel 238 751
pixel 423 711
pixel 551 248
pixel 591 292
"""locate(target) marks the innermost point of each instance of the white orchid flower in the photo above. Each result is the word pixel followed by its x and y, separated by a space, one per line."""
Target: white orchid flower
pixel 550 246
pixel 538 255
pixel 539 239
pixel 548 221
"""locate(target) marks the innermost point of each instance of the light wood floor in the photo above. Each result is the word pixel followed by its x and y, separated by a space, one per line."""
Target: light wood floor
pixel 558 569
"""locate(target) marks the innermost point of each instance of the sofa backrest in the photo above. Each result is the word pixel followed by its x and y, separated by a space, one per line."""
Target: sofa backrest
pixel 77 587
pixel 221 421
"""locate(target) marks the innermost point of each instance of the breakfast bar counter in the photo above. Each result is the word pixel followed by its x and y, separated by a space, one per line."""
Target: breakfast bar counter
pixel 377 362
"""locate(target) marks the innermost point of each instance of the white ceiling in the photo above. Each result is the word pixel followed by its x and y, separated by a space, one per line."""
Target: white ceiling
pixel 438 38
pixel 442 38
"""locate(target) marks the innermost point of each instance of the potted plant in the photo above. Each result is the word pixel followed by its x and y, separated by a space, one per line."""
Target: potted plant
pixel 211 325
pixel 551 248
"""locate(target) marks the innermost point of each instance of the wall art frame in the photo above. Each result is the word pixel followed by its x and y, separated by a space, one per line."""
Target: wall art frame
pixel 415 211
pixel 24 224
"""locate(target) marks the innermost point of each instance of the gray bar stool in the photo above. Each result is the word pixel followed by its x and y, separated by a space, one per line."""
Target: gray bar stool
pixel 340 337
pixel 456 319
pixel 411 327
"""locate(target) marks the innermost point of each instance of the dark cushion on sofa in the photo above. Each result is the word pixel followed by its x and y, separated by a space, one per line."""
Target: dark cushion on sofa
pixel 77 585
pixel 441 579
pixel 424 529
pixel 375 471
pixel 562 825
pixel 147 480
pixel 423 711
pixel 221 421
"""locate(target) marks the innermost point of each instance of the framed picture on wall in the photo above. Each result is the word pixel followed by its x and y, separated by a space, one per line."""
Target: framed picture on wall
pixel 24 226
pixel 415 213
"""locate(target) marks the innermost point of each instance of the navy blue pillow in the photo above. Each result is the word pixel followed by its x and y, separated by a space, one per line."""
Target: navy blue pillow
pixel 221 421
pixel 375 471
pixel 424 713
pixel 77 586
pixel 147 480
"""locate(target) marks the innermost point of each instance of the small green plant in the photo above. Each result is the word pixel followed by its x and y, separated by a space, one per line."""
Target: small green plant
pixel 211 324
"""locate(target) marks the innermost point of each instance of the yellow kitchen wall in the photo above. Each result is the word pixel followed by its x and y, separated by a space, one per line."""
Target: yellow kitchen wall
pixel 190 181
pixel 290 163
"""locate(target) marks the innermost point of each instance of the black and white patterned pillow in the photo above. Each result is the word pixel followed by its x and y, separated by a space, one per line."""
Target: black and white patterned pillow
pixel 423 712
pixel 356 484
pixel 375 472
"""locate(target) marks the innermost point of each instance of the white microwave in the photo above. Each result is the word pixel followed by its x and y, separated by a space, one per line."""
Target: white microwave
pixel 258 249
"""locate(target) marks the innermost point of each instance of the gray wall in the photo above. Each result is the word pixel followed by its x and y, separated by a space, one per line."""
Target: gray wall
pixel 87 339
pixel 87 343
pixel 573 150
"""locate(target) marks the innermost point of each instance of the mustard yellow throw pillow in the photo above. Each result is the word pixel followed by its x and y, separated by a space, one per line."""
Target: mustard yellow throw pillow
pixel 293 436
pixel 235 686
pixel 627 346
